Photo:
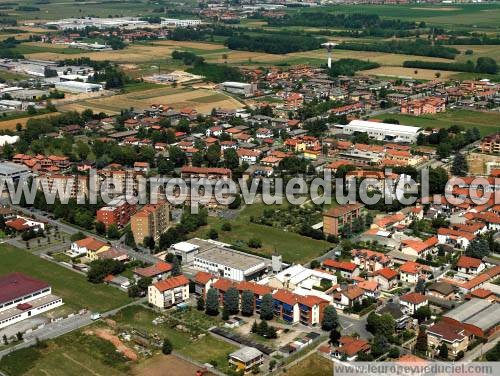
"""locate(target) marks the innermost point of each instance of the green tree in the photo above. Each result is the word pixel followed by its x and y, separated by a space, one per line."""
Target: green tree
pixel 247 303
pixel 113 232
pixel 100 228
pixel 200 304
pixel 231 301
pixel 478 248
pixel 226 226
pixel 421 344
pixel 334 337
pixel 443 351
pixel 460 166
pixel 212 302
pixel 267 307
pixel 149 242
pixel 231 159
pixel 423 313
pixel 176 267
pixel 420 286
pixel 166 347
pixel 330 318
pixel 380 345
pixel 213 155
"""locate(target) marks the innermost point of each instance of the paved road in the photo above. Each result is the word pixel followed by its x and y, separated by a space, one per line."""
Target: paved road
pixel 351 325
pixel 72 230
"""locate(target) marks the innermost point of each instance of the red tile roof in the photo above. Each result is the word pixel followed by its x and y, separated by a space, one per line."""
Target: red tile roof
pixel 341 210
pixel 203 277
pixel 468 262
pixel 171 283
pixel 153 270
pixel 343 265
pixel 90 243
pixel 254 287
pixel 15 285
pixel 351 346
pixel 388 273
pixel 223 284
pixel 414 298
pixel 286 297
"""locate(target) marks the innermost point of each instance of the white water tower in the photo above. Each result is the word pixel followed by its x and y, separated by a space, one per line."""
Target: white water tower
pixel 329 47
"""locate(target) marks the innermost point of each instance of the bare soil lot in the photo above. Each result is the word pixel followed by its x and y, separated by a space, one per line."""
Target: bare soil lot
pixel 163 365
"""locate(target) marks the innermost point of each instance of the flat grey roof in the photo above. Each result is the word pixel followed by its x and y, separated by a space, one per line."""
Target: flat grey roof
pixel 246 354
pixel 228 257
pixel 477 312
pixel 10 168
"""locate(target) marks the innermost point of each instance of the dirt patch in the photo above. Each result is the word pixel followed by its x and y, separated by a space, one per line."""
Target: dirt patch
pixel 163 365
pixel 109 335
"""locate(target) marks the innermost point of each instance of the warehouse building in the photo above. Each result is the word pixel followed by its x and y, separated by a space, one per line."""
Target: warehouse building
pixel 22 297
pixel 220 260
pixel 478 316
pixel 383 131
pixel 240 88
pixel 78 87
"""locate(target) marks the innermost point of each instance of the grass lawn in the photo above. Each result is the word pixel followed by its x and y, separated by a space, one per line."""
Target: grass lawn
pixel 486 122
pixel 203 349
pixel 72 287
pixel 313 365
pixel 29 49
pixel 293 247
pixel 74 354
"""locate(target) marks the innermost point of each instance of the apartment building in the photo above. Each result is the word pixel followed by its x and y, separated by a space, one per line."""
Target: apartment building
pixel 336 218
pixel 152 220
pixel 118 212
pixel 431 105
pixel 491 144
pixel 169 292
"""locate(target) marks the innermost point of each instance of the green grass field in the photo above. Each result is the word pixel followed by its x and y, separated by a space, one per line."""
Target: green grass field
pixel 292 246
pixel 203 350
pixel 313 365
pixel 487 123
pixel 451 15
pixel 74 354
pixel 29 49
pixel 73 288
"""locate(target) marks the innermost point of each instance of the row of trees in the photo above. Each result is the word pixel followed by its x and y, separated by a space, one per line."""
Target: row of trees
pixel 355 21
pixel 483 64
pixel 419 47
pixel 349 67
pixel 211 72
pixel 274 43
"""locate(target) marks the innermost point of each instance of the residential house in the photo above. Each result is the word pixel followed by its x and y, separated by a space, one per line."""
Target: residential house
pixel 441 290
pixel 157 272
pixel 412 301
pixel 455 338
pixel 350 347
pixel 470 265
pixel 411 271
pixel 203 281
pixel 169 292
pixel 348 296
pixel 370 261
pixel 246 359
pixel 344 268
pixel 387 278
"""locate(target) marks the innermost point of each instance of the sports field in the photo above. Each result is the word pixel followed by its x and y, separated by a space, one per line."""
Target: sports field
pixel 76 292
pixel 202 100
